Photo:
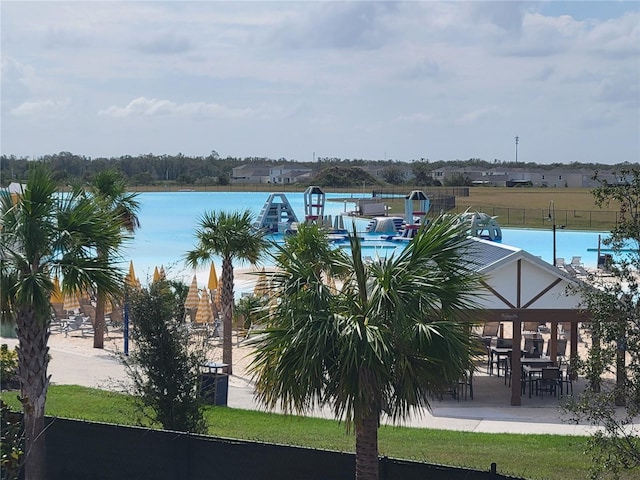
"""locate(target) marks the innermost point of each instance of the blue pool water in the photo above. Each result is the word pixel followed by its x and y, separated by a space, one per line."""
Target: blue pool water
pixel 169 219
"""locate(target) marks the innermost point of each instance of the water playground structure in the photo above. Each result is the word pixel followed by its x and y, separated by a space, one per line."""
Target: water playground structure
pixel 278 216
pixel 482 225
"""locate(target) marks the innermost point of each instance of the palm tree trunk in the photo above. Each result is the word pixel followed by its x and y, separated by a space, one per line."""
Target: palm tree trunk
pixel 98 322
pixel 367 448
pixel 227 313
pixel 32 371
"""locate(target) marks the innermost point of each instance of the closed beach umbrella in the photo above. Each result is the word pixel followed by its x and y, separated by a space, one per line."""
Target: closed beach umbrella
pixel 213 278
pixel 131 279
pixel 156 275
pixel 56 294
pixel 260 289
pixel 193 298
pixel 204 314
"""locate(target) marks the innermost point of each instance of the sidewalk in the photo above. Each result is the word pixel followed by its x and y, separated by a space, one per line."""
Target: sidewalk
pixel 75 362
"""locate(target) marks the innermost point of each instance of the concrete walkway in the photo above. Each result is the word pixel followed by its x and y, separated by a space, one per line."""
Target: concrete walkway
pixel 490 410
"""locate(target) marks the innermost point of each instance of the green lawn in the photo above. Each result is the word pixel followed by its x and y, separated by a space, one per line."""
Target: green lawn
pixel 529 456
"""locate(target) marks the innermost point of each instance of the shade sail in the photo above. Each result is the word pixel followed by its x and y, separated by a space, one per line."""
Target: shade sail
pixel 213 278
pixel 193 298
pixel 204 314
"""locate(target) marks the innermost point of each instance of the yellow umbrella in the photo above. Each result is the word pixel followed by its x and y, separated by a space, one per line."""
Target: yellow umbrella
pixel 56 294
pixel 213 278
pixel 204 314
pixel 261 289
pixel 156 275
pixel 193 298
pixel 131 279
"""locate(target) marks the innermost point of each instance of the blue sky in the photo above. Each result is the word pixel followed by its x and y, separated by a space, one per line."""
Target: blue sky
pixel 374 80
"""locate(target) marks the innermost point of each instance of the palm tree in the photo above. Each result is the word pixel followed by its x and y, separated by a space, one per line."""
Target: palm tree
pixel 109 190
pixel 383 343
pixel 45 234
pixel 230 236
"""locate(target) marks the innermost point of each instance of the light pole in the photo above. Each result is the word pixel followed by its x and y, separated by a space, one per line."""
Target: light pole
pixel 517 140
pixel 552 218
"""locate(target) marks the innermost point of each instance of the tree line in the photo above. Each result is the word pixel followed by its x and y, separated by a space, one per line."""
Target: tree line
pixel 150 169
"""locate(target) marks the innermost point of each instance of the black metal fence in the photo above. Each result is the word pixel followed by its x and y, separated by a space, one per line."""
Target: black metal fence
pixel 539 218
pixel 87 450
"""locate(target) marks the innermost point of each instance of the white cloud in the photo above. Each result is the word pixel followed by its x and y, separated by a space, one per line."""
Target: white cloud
pixel 152 107
pixel 40 108
pixel 351 77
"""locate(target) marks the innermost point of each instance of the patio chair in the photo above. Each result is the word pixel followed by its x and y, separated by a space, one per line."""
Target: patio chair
pixel 533 346
pixel 566 382
pixel 530 326
pixel 489 331
pixel 561 348
pixel 578 266
pixel 549 381
pixel 78 323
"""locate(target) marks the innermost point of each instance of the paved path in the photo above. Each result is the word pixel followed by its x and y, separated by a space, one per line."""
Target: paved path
pixel 488 412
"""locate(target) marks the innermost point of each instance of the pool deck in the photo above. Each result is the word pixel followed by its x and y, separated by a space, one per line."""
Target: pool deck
pixel 75 362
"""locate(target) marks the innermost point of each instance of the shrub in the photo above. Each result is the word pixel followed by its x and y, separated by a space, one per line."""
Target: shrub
pixel 164 367
pixel 8 368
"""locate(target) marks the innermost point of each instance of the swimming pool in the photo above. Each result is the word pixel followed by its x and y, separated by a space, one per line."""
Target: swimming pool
pixel 168 221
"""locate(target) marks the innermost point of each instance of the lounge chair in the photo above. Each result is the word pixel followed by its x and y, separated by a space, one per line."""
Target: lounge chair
pixel 80 324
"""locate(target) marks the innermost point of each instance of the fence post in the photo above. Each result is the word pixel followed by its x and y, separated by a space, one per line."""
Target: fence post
pixel 494 470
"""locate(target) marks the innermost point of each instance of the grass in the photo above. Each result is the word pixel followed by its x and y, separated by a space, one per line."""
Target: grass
pixel 530 456
pixel 530 207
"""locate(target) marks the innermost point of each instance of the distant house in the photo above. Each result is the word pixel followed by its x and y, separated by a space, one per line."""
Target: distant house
pixel 499 177
pixel 251 174
pixel 289 175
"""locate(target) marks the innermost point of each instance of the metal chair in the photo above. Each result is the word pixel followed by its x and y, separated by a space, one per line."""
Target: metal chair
pixel 549 381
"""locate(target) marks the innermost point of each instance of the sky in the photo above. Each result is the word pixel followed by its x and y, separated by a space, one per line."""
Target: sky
pixel 306 80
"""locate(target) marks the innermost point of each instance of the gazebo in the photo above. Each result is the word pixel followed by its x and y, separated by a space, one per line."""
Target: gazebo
pixel 520 287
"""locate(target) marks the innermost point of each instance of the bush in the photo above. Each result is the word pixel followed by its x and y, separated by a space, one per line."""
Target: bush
pixel 164 367
pixel 8 368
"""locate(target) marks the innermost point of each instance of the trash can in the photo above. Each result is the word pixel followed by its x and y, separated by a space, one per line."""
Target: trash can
pixel 214 384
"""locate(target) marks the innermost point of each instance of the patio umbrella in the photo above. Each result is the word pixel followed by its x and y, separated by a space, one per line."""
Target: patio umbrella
pixel 204 314
pixel 156 275
pixel 56 294
pixel 193 297
pixel 261 289
pixel 213 278
pixel 131 279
